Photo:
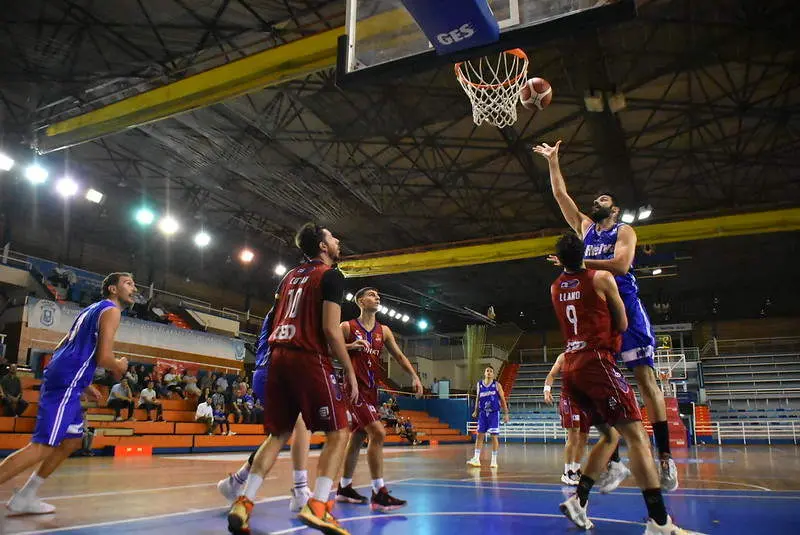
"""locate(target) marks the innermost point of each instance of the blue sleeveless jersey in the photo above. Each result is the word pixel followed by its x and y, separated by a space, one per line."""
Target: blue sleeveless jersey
pixel 600 245
pixel 73 364
pixel 262 346
pixel 489 397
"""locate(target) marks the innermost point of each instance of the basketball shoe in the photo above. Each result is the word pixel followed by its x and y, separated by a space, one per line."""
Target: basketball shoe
pixel 317 515
pixel 667 529
pixel 230 488
pixel 239 516
pixel 22 504
pixel 349 495
pixel 617 473
pixel 668 474
pixel 383 501
pixel 475 461
pixel 573 510
pixel 299 499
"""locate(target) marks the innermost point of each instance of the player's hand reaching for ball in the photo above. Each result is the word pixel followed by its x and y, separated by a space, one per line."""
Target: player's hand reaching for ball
pixel 351 379
pixel 547 152
pixel 553 259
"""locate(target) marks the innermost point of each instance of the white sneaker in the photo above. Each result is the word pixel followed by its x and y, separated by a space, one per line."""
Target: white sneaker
pixel 494 463
pixel 299 499
pixel 667 529
pixel 28 505
pixel 610 480
pixel 668 473
pixel 230 488
pixel 475 461
pixel 566 479
pixel 572 509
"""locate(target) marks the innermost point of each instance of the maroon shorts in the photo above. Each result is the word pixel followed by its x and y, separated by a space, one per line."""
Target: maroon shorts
pixel 591 380
pixel 572 416
pixel 365 410
pixel 301 382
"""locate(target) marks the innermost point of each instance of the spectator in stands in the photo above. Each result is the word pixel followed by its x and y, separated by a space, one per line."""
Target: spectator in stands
pixel 218 397
pixel 148 400
pixel 393 404
pixel 205 415
pixel 3 363
pixel 11 393
pixel 205 395
pixel 406 430
pixel 144 377
pixel 103 377
pixel 250 403
pixel 387 415
pixel 207 381
pixel 172 380
pixel 121 397
pixel 221 419
pixel 258 410
pixel 241 410
pixel 222 382
pixel 190 384
pixel 435 387
pixel 133 378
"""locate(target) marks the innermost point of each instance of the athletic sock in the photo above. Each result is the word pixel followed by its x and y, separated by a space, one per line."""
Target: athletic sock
pixel 655 505
pixel 31 486
pixel 661 433
pixel 241 476
pixel 584 486
pixel 615 455
pixel 477 453
pixel 300 478
pixel 576 467
pixel 251 487
pixel 377 484
pixel 345 482
pixel 494 455
pixel 322 489
pixel 567 468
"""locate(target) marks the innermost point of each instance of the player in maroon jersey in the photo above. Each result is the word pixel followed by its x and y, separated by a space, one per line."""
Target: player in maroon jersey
pixel 365 339
pixel 592 316
pixel 300 377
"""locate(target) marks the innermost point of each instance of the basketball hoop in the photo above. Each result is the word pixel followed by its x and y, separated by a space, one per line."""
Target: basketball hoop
pixel 493 86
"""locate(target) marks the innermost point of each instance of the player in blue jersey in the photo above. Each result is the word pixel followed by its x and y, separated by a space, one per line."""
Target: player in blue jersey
pixel 490 398
pixel 59 420
pixel 610 246
pixel 231 486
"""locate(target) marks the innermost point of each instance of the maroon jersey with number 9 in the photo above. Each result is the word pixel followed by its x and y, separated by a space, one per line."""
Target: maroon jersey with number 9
pixel 298 315
pixel 584 316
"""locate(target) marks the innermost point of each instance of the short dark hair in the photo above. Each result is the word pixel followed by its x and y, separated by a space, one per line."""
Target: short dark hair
pixel 614 198
pixel 362 291
pixel 112 279
pixel 569 250
pixel 308 238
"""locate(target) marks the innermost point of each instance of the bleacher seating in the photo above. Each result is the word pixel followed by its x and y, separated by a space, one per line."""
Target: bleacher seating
pixel 179 432
pixel 767 381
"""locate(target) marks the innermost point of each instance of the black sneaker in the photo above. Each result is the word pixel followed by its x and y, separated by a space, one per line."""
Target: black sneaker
pixel 349 495
pixel 383 501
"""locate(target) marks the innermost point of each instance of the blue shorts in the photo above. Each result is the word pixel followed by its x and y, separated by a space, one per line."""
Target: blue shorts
pixel 489 422
pixel 59 416
pixel 259 384
pixel 638 342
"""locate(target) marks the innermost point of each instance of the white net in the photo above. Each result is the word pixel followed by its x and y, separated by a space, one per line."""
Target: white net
pixel 493 85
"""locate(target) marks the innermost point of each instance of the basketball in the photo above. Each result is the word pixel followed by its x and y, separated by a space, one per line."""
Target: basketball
pixel 536 94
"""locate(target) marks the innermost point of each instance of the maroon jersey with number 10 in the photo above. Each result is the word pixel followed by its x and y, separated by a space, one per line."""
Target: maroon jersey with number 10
pixel 298 315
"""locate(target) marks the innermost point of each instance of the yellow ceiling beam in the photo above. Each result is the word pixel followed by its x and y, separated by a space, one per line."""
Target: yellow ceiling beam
pixel 697 229
pixel 263 69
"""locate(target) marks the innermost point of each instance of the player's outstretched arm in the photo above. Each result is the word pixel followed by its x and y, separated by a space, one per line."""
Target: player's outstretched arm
pixel 551 377
pixel 606 286
pixel 400 358
pixel 109 323
pixel 578 221
pixel 624 251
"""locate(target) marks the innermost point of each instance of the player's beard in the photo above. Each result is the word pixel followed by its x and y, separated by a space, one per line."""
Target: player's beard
pixel 599 213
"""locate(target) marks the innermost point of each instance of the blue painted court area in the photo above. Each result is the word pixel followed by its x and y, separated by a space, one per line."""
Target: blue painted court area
pixel 446 506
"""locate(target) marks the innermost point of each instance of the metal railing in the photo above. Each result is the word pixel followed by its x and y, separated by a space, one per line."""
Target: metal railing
pixel 753 346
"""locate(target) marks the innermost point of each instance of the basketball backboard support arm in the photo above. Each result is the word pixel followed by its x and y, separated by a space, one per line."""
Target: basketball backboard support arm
pixel 527 35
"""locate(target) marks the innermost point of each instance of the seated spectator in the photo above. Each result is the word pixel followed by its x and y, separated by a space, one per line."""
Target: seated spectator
pixel 103 377
pixel 394 405
pixel 406 430
pixel 221 419
pixel 205 415
pixel 387 415
pixel 190 384
pixel 222 382
pixel 241 410
pixel 173 382
pixel 218 397
pixel 133 378
pixel 207 381
pixel 258 411
pixel 121 397
pixel 144 377
pixel 11 393
pixel 148 400
pixel 205 395
pixel 249 402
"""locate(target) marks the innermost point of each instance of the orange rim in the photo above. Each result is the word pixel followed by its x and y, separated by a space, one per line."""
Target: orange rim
pixel 514 52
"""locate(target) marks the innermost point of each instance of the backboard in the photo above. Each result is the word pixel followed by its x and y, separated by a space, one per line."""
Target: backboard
pixel 383 41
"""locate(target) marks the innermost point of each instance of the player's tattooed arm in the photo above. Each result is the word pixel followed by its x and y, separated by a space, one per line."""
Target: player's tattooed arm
pixel 624 251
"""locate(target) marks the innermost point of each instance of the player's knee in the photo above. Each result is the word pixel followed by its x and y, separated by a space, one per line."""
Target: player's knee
pixel 376 433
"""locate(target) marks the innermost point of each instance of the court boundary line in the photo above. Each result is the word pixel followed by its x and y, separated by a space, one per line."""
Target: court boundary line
pixel 344 520
pixel 490 481
pixel 271 499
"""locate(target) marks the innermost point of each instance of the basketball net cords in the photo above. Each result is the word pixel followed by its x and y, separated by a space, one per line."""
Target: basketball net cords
pixel 494 94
